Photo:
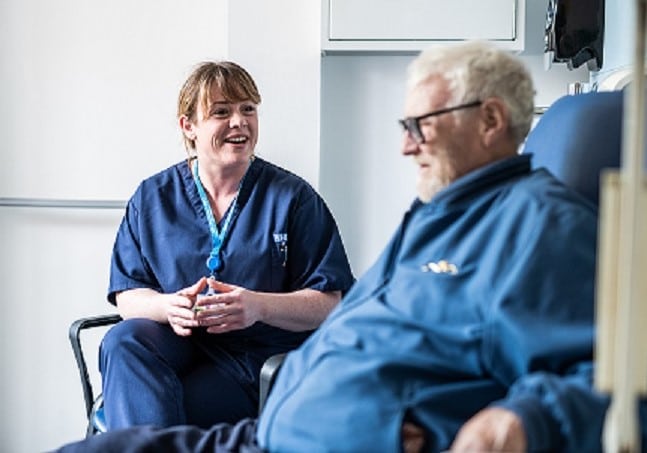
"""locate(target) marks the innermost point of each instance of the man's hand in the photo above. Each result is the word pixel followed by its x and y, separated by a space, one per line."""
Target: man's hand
pixel 493 430
pixel 413 438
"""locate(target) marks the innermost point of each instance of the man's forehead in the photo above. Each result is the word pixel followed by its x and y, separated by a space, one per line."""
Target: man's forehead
pixel 427 95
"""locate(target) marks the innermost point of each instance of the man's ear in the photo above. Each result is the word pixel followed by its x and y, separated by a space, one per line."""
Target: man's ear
pixel 494 121
pixel 187 127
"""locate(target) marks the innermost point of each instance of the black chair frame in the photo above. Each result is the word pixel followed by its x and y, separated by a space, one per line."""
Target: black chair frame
pixel 94 402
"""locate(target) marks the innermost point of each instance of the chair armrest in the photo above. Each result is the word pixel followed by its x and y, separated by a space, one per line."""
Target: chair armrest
pixel 75 340
pixel 268 374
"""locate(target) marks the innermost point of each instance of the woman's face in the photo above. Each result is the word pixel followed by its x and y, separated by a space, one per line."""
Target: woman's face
pixel 226 132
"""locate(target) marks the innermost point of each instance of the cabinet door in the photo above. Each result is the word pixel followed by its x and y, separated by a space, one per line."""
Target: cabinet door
pixel 375 25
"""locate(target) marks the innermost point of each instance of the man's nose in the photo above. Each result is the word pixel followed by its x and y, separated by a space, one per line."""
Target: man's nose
pixel 409 145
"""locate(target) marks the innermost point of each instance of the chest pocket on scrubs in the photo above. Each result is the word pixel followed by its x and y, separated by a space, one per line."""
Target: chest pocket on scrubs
pixel 279 257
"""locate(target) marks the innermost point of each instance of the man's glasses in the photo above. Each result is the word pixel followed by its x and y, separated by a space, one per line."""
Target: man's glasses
pixel 412 123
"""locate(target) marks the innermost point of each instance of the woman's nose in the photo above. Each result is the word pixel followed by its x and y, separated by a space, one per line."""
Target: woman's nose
pixel 237 120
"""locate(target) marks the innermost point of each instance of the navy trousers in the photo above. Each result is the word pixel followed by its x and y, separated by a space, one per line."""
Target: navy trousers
pixel 151 376
pixel 220 438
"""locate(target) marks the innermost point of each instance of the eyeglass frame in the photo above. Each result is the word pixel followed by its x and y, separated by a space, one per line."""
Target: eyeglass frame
pixel 411 124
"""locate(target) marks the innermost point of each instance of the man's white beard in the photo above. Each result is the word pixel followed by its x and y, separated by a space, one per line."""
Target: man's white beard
pixel 428 188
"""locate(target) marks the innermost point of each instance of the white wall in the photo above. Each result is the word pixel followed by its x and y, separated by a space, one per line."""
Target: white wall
pixel 278 42
pixel 88 94
pixel 89 91
pixel 618 47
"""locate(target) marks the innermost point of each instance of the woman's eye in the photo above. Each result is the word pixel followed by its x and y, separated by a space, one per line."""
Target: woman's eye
pixel 247 109
pixel 221 113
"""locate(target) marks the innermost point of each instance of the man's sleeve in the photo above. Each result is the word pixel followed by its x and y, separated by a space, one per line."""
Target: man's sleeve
pixel 540 333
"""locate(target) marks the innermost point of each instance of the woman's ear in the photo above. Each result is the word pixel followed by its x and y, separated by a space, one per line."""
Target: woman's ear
pixel 187 127
pixel 494 121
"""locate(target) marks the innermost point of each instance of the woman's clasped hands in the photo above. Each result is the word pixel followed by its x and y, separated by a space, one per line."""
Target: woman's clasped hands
pixel 222 308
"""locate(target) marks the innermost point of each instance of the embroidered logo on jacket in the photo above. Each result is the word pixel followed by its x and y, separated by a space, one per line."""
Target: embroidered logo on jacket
pixel 441 267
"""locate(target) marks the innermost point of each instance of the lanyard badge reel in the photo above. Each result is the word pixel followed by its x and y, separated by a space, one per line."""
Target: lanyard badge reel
pixel 214 262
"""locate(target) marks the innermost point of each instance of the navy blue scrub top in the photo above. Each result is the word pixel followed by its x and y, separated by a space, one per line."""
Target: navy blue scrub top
pixel 282 238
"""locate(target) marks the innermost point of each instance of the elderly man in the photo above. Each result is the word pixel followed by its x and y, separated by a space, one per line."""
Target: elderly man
pixel 474 329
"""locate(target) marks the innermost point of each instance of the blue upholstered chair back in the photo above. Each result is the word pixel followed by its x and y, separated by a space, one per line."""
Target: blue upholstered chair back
pixel 577 137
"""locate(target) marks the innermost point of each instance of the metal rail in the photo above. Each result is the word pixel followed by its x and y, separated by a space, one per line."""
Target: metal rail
pixel 61 203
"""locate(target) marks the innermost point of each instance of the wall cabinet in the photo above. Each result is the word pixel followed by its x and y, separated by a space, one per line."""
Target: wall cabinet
pixel 412 25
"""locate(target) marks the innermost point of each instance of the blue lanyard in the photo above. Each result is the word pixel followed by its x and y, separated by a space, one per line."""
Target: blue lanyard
pixel 214 263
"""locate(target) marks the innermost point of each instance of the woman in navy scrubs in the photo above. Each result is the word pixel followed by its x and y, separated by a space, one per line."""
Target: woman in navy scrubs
pixel 220 261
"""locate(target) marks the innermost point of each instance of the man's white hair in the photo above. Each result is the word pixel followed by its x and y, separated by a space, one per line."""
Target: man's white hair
pixel 478 70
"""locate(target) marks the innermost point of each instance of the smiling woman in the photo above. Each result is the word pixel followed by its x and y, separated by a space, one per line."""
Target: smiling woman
pixel 217 112
pixel 202 273
pixel 218 105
